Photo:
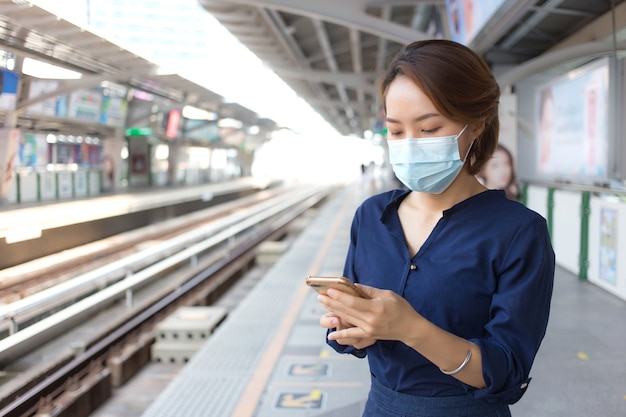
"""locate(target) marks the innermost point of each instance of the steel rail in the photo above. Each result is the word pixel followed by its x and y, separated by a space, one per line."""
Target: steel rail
pixel 259 227
pixel 26 309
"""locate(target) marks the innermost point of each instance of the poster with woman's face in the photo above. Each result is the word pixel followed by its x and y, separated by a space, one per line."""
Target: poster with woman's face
pixel 467 17
pixel 8 150
pixel 498 173
pixel 572 119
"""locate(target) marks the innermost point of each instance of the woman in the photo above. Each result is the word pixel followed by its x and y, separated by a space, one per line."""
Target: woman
pixel 499 172
pixel 459 277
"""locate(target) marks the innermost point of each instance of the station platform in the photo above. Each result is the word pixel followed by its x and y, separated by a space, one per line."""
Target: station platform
pixel 269 358
pixel 46 231
pixel 44 215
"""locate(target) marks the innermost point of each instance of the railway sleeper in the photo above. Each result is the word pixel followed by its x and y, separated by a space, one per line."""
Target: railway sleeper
pixel 130 361
pixel 80 399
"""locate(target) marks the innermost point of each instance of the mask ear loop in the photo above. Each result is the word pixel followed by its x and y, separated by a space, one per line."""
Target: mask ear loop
pixel 468 151
pixel 470 146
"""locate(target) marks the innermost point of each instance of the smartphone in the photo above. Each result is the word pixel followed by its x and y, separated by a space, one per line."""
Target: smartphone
pixel 322 284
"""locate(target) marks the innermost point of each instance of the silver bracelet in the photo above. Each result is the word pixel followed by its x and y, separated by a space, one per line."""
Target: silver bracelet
pixel 457 370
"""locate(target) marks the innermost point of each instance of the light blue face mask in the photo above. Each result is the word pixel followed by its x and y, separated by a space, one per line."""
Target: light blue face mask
pixel 429 164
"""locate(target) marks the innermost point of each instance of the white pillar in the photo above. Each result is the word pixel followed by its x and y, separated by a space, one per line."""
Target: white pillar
pixel 113 166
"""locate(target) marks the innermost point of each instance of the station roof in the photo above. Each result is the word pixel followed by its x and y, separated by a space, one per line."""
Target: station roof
pixel 30 31
pixel 332 51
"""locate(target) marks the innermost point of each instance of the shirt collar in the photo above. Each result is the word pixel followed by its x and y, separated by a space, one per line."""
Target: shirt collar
pixel 397 196
pixel 391 209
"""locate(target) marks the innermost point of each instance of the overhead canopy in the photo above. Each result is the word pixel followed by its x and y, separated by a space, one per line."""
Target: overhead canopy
pixel 30 31
pixel 331 51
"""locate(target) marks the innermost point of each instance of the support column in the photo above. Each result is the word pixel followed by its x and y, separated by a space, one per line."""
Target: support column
pixel 8 149
pixel 9 138
pixel 550 217
pixel 172 161
pixel 113 166
pixel 585 213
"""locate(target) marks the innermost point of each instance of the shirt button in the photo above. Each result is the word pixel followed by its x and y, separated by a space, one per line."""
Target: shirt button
pixel 524 385
pixel 413 267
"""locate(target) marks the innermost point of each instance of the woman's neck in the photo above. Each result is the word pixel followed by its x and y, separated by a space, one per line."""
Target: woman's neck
pixel 463 187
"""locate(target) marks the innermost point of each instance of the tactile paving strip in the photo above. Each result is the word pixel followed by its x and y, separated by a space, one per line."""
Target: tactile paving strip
pixel 213 381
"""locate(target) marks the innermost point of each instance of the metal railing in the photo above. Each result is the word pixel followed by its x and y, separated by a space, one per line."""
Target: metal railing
pixel 586 191
pixel 119 279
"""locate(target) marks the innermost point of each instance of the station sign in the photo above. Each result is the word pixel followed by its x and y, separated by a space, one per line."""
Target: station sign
pixel 138 131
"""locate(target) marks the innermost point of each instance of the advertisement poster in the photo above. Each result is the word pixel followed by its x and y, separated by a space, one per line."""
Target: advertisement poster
pixel 85 105
pixel 467 17
pixel 572 120
pixel 51 107
pixel 113 112
pixel 9 139
pixel 8 84
pixel 32 150
pixel 608 245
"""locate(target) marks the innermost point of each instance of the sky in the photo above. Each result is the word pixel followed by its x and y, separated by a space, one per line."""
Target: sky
pixel 265 93
pixel 317 153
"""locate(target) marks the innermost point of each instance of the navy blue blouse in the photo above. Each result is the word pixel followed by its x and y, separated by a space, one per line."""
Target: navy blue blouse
pixel 485 273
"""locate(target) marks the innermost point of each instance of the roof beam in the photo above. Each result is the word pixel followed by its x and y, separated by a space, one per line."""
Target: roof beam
pixel 394 3
pixel 509 14
pixel 550 59
pixel 349 79
pixel 528 25
pixel 322 36
pixel 90 81
pixel 350 13
pixel 357 67
pixel 382 44
pixel 68 86
pixel 277 25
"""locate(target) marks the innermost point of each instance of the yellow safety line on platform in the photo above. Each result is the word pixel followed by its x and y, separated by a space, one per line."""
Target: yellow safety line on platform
pixel 252 394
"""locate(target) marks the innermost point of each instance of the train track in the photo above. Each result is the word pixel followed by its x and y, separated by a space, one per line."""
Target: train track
pixel 196 272
pixel 32 277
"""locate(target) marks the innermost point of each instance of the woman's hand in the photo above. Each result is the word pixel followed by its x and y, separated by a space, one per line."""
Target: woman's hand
pixel 385 316
pixel 331 321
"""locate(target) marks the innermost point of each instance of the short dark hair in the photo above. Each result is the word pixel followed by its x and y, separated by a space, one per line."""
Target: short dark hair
pixel 459 83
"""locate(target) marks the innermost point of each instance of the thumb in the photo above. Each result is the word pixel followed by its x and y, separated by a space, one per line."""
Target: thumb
pixel 369 291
